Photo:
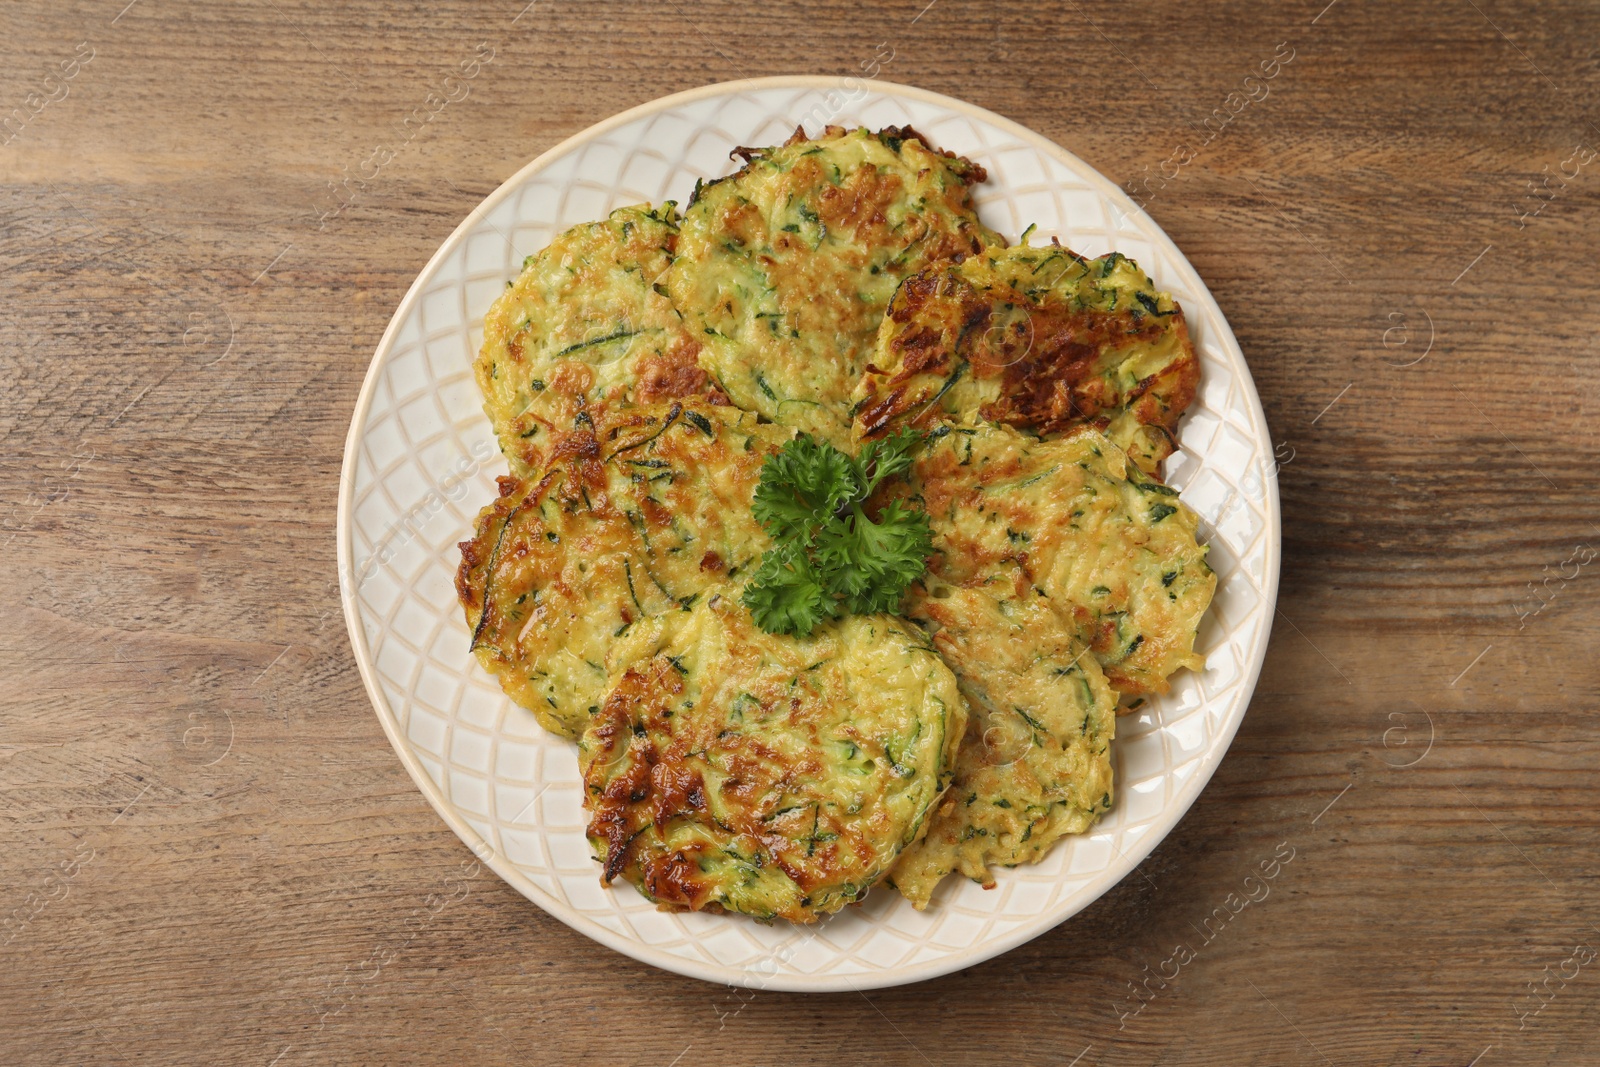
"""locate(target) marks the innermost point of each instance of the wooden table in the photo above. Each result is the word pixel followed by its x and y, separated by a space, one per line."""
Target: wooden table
pixel 212 856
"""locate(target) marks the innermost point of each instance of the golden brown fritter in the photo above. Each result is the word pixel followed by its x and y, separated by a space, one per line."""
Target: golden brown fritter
pixel 784 268
pixel 1072 523
pixel 1039 338
pixel 1035 764
pixel 587 327
pixel 630 520
pixel 733 769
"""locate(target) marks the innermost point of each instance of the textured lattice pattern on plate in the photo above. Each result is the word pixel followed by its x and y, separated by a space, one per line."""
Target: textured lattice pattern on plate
pixel 422 461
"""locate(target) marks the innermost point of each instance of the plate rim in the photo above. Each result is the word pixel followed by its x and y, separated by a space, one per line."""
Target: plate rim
pixel 1126 860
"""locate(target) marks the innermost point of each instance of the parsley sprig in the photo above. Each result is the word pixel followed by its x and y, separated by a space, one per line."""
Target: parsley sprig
pixel 830 558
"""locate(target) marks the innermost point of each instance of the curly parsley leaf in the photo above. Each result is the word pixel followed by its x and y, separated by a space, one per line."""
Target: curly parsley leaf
pixel 867 564
pixel 785 596
pixel 886 458
pixel 803 483
pixel 831 556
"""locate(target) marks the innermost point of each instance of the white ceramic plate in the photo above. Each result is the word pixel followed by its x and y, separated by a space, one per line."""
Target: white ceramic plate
pixel 421 461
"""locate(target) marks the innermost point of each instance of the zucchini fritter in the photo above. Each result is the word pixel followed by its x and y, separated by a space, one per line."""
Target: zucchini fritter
pixel 732 769
pixel 586 326
pixel 1035 764
pixel 784 268
pixel 1072 523
pixel 632 519
pixel 1034 337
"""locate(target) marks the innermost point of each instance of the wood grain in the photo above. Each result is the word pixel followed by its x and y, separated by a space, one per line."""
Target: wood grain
pixel 212 856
